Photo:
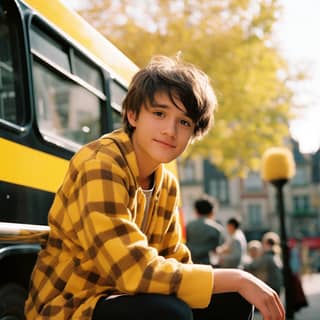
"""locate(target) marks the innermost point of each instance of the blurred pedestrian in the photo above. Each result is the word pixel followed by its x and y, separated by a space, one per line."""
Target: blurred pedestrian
pixel 296 266
pixel 254 251
pixel 316 261
pixel 268 267
pixel 296 257
pixel 233 252
pixel 204 234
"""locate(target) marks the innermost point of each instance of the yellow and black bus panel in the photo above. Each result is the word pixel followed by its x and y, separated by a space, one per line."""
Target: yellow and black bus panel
pixel 56 77
pixel 61 85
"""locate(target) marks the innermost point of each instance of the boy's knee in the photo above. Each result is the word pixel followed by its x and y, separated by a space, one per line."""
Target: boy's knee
pixel 174 308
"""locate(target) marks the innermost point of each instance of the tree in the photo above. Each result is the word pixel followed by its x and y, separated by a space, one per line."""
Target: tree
pixel 231 40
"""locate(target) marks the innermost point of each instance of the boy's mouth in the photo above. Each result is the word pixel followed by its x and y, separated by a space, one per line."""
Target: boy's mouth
pixel 164 143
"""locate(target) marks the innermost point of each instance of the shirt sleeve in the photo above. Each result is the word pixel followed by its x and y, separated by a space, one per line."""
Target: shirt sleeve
pixel 172 245
pixel 107 232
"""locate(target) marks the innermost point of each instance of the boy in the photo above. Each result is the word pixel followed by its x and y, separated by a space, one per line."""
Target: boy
pixel 114 249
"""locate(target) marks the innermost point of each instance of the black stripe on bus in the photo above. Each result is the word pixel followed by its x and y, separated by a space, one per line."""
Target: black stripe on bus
pixel 22 204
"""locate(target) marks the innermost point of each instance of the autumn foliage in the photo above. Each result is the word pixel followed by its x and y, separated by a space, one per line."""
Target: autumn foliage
pixel 232 41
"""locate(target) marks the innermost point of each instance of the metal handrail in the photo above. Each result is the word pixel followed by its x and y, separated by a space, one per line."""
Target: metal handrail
pixel 23 233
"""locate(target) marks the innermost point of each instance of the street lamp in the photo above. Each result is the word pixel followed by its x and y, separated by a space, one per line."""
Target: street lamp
pixel 277 168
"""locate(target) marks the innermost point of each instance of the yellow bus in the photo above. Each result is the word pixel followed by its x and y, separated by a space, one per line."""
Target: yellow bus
pixel 61 85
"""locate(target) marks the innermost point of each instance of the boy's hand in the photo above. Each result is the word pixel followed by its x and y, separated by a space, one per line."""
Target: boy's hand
pixel 255 291
pixel 262 296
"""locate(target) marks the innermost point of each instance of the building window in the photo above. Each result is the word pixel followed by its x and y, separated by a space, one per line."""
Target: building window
pixel 301 203
pixel 301 177
pixel 253 182
pixel 316 167
pixel 218 188
pixel 255 215
pixel 187 168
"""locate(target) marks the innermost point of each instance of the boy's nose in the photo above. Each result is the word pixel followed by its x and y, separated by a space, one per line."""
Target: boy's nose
pixel 170 128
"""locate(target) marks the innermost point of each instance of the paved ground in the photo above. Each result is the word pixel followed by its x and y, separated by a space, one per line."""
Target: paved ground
pixel 311 286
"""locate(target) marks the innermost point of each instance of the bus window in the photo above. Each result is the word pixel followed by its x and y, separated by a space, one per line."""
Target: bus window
pixel 10 72
pixel 49 48
pixel 85 71
pixel 117 93
pixel 68 99
pixel 64 109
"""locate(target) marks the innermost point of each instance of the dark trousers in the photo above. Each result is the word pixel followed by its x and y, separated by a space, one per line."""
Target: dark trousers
pixel 226 306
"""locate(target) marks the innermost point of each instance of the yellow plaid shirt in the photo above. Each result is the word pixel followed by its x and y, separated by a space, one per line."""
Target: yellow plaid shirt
pixel 96 245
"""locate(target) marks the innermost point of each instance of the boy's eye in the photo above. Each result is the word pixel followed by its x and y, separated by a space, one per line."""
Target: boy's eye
pixel 158 113
pixel 185 123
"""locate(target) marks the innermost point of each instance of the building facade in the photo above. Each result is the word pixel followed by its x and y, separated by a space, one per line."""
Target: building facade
pixel 253 200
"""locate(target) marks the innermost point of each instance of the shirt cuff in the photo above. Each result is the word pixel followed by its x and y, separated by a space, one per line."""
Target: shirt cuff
pixel 196 285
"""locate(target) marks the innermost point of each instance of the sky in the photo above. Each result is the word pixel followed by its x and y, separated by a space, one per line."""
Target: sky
pixel 297 38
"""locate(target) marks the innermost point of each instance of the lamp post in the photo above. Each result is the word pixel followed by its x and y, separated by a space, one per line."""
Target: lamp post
pixel 277 168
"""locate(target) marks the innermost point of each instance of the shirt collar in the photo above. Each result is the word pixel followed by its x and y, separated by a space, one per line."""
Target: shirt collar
pixel 123 141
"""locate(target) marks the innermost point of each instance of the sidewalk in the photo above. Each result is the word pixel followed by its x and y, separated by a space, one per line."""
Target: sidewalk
pixel 311 286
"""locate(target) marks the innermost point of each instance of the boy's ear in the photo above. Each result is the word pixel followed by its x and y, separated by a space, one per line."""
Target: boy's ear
pixel 132 118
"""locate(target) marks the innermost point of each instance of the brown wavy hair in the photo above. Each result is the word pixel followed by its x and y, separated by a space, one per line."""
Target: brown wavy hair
pixel 177 79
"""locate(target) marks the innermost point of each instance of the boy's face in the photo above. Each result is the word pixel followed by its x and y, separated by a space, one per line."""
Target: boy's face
pixel 162 130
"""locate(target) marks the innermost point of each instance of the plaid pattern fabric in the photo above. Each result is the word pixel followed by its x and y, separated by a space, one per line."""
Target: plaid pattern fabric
pixel 96 246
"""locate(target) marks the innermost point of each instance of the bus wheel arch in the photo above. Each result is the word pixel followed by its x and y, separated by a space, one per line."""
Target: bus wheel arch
pixel 16 265
pixel 12 300
pixel 17 262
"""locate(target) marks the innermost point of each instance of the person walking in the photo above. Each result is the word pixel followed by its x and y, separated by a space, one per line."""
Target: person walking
pixel 254 251
pixel 268 267
pixel 233 252
pixel 204 234
pixel 296 266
